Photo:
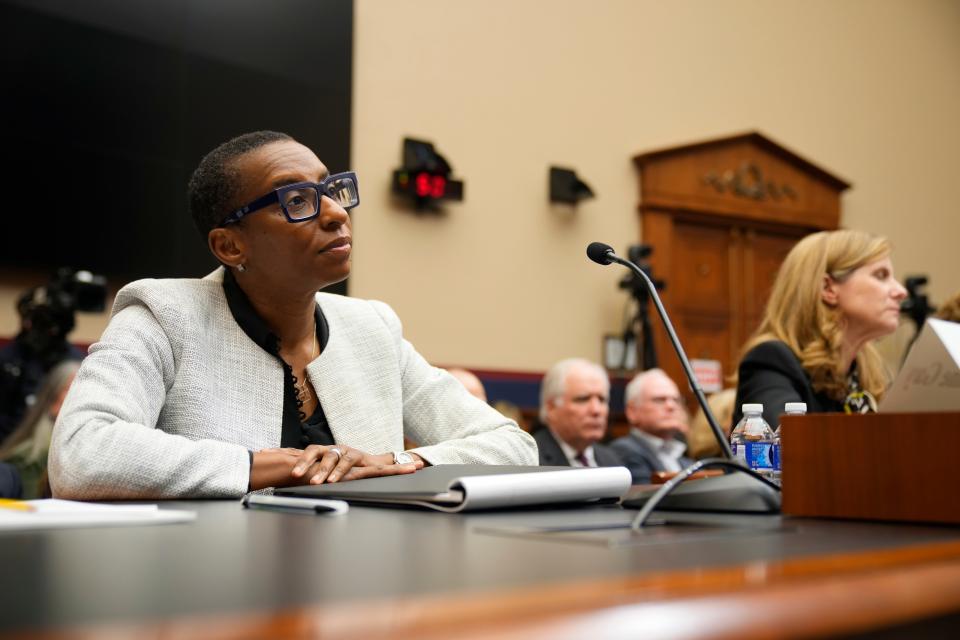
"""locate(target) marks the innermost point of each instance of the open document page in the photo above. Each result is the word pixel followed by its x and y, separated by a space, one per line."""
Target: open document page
pixel 457 487
pixel 63 514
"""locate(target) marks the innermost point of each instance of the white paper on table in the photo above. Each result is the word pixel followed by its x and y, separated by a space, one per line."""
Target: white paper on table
pixel 61 514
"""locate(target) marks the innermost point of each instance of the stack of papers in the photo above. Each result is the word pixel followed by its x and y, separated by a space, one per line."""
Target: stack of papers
pixel 57 514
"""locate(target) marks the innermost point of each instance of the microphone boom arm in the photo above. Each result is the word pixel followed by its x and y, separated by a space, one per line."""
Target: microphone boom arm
pixel 684 362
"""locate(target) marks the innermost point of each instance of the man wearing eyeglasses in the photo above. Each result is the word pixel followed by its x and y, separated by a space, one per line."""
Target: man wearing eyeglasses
pixel 658 422
pixel 249 378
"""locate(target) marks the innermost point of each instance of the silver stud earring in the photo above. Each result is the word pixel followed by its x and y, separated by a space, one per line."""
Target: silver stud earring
pixel 241 268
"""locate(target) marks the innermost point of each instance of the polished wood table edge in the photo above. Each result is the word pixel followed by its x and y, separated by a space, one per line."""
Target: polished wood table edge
pixel 798 597
pixel 849 604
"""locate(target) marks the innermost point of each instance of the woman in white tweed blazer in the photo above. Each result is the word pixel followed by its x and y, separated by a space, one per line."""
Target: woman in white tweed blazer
pixel 248 378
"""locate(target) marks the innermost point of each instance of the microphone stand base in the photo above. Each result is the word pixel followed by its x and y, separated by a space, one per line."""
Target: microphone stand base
pixel 730 493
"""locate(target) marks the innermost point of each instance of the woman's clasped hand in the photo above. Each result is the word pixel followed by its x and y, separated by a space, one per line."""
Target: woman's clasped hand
pixel 280 467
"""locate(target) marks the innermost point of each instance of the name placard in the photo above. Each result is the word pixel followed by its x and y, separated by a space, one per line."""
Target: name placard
pixel 930 377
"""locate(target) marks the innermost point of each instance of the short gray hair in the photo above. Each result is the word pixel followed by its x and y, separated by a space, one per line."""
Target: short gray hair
pixel 635 388
pixel 555 381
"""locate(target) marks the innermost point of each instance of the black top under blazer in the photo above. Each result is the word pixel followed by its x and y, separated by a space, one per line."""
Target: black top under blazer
pixel 771 374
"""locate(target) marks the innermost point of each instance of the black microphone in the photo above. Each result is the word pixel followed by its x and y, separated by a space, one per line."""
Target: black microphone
pixel 737 496
pixel 600 253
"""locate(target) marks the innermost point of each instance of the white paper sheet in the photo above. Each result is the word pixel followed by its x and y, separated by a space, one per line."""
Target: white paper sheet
pixel 57 514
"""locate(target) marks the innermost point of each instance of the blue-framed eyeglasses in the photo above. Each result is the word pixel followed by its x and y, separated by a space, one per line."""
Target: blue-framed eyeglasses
pixel 301 201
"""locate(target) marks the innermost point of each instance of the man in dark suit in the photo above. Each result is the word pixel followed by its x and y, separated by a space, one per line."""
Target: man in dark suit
pixel 658 420
pixel 574 405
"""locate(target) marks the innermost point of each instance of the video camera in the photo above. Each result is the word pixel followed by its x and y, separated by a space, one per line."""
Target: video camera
pixel 916 305
pixel 640 323
pixel 47 313
pixel 638 254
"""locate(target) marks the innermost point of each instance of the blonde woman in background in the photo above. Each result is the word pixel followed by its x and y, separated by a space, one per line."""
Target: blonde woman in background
pixel 27 446
pixel 701 443
pixel 833 296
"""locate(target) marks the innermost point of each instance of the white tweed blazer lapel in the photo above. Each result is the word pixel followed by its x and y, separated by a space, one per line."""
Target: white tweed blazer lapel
pixel 356 377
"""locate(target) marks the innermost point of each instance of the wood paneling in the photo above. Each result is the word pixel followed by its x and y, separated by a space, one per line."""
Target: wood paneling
pixel 746 176
pixel 765 251
pixel 721 215
pixel 703 274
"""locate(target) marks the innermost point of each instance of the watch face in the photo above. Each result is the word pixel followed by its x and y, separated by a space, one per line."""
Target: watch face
pixel 402 457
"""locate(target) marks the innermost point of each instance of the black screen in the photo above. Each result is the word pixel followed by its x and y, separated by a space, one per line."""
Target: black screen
pixel 110 104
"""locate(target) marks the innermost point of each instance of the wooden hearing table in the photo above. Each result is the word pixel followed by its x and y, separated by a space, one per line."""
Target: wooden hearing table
pixel 378 572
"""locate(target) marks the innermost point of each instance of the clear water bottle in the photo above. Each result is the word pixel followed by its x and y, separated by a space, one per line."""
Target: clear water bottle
pixel 790 409
pixel 752 442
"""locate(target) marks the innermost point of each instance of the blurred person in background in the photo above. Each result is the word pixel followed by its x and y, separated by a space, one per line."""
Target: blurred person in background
pixel 469 381
pixel 47 316
pixel 574 406
pixel 658 421
pixel 474 385
pixel 701 443
pixel 26 448
pixel 950 310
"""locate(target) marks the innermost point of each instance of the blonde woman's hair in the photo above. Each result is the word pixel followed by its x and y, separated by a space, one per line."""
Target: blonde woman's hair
pixel 797 315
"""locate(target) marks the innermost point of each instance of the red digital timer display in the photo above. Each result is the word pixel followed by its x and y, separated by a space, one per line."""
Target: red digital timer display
pixel 426 187
pixel 430 186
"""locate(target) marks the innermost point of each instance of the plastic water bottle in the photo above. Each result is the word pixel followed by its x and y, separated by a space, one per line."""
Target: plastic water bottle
pixel 752 442
pixel 790 409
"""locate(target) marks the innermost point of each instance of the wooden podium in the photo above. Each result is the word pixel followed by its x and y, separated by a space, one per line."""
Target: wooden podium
pixel 898 466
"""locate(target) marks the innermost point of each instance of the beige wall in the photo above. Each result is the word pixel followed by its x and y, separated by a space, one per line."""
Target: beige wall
pixel 868 89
